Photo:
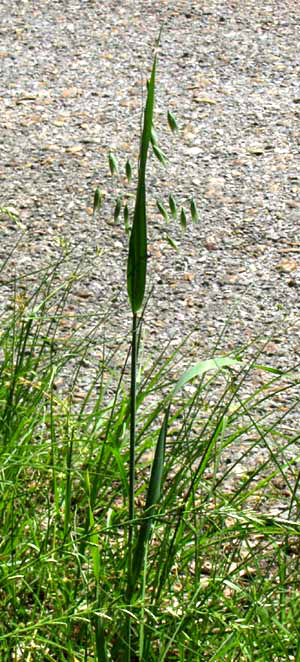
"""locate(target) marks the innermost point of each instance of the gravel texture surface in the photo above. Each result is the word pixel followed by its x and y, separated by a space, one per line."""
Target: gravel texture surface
pixel 72 76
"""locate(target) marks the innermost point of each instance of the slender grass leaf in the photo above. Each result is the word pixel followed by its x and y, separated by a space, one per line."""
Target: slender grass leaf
pixel 153 497
pixel 113 166
pixel 194 211
pixel 162 210
pixel 294 376
pixel 117 209
pixel 183 219
pixel 159 155
pixel 201 368
pixel 173 207
pixel 172 122
pixel 137 254
pixel 97 200
pixel 128 171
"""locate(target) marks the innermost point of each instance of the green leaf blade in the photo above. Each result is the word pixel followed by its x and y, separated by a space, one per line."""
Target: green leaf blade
pixel 201 368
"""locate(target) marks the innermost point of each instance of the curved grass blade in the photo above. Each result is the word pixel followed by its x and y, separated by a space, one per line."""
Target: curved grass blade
pixel 204 366
pixel 137 255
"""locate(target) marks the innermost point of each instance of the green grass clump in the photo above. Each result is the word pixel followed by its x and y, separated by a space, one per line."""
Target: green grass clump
pixel 132 528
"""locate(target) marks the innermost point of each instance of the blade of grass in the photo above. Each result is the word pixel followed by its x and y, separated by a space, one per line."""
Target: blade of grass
pixel 201 368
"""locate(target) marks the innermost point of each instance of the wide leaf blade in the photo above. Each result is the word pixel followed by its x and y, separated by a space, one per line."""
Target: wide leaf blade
pixel 201 368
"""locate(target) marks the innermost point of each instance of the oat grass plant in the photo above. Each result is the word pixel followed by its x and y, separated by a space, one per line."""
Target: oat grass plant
pixel 142 522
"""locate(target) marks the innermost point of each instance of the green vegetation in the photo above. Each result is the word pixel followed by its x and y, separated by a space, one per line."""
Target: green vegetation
pixel 131 527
